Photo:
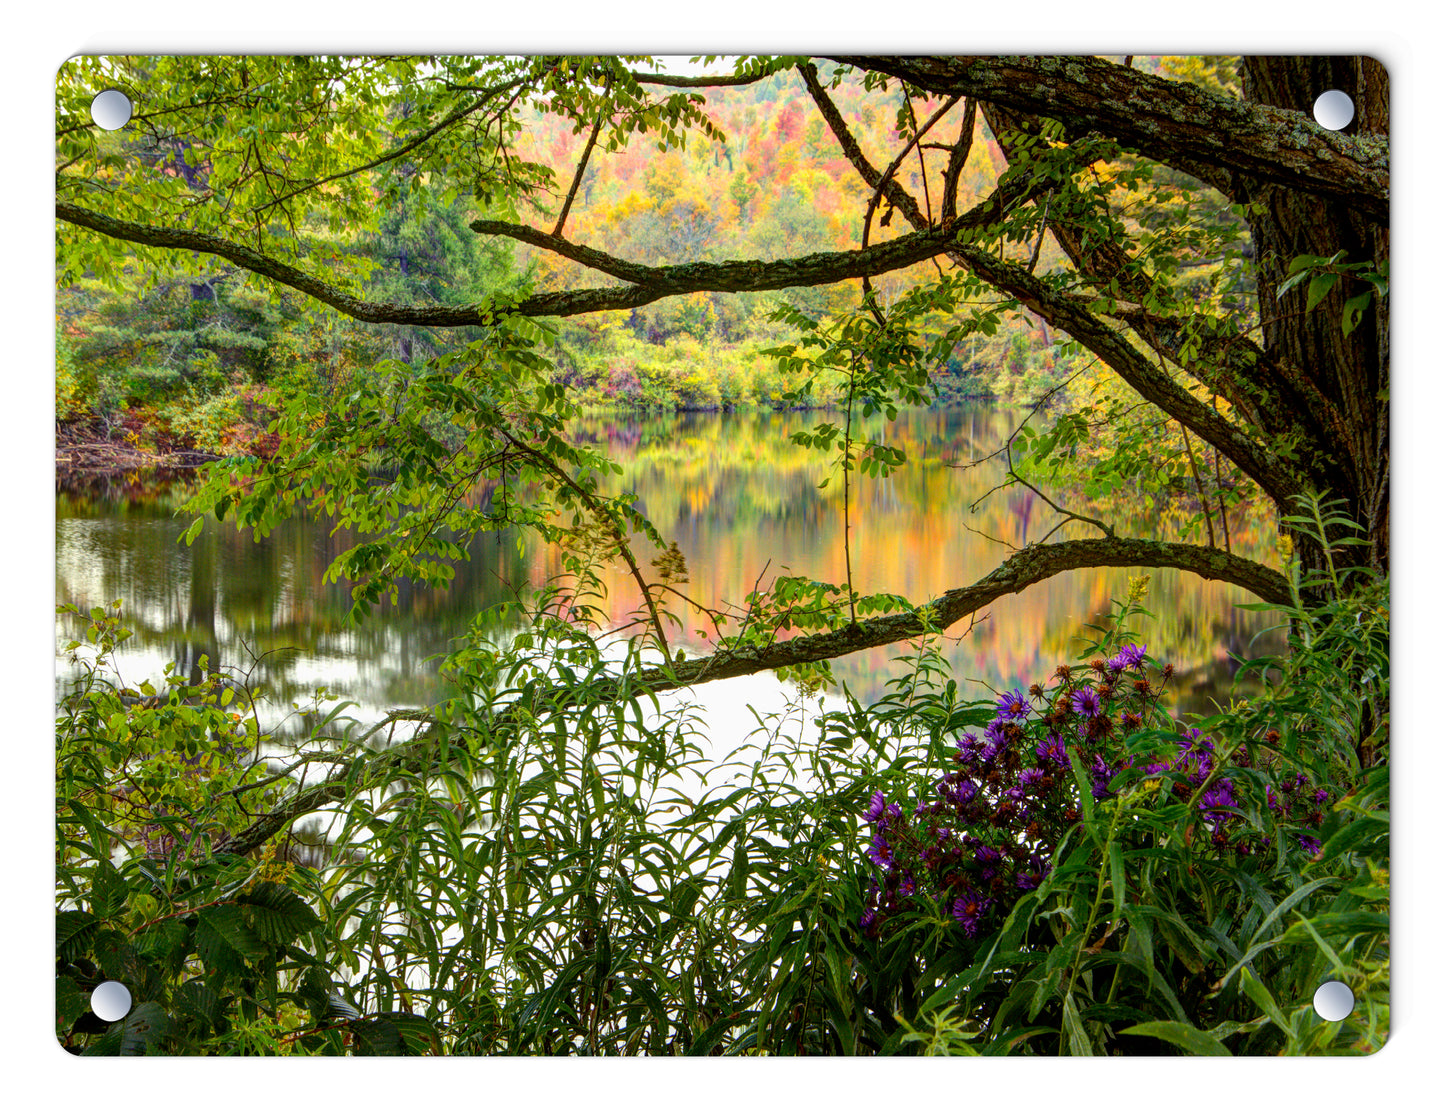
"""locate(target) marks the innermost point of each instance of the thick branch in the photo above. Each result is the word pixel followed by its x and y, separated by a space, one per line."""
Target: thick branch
pixel 650 283
pixel 1033 565
pixel 1152 383
pixel 1172 122
pixel 1235 366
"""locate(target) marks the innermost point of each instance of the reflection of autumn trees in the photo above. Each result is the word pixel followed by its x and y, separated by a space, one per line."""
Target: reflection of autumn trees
pixel 739 497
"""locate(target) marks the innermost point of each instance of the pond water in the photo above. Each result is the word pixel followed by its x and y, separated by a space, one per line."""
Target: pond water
pixel 743 503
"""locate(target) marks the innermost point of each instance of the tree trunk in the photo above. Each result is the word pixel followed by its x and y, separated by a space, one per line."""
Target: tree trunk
pixel 1350 373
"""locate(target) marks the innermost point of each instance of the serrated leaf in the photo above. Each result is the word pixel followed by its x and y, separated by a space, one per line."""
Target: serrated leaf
pixel 164 942
pixel 377 1037
pixel 223 940
pixel 418 1036
pixel 73 933
pixel 115 955
pixel 197 999
pixel 140 1032
pixel 277 914
pixel 108 891
pixel 70 1002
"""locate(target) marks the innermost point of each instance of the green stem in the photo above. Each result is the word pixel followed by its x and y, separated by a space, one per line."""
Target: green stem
pixel 1093 913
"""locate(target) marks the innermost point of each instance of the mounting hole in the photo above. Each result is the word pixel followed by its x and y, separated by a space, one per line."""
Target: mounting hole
pixel 1334 110
pixel 1333 1001
pixel 110 109
pixel 110 1001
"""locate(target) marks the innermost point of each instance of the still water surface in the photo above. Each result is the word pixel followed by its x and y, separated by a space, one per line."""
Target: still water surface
pixel 743 503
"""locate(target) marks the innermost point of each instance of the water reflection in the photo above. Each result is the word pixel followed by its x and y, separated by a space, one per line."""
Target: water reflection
pixel 743 503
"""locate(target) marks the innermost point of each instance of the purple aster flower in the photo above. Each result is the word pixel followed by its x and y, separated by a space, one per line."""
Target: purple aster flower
pixel 1086 702
pixel 1101 773
pixel 1052 750
pixel 1014 704
pixel 1220 794
pixel 1027 882
pixel 866 919
pixel 1031 778
pixel 880 852
pixel 1130 656
pixel 987 855
pixel 1321 794
pixel 1310 845
pixel 875 808
pixel 968 748
pixel 968 909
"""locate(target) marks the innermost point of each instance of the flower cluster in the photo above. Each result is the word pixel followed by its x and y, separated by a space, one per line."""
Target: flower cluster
pixel 988 830
pixel 1300 803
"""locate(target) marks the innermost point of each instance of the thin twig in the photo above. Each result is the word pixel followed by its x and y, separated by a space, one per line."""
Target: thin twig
pixel 581 169
pixel 624 549
pixel 1198 484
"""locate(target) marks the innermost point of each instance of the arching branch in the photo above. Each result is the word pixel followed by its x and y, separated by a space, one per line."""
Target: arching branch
pixel 1174 122
pixel 1277 479
pixel 1032 565
pixel 648 283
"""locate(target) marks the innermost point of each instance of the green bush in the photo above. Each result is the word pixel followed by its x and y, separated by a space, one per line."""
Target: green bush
pixel 551 865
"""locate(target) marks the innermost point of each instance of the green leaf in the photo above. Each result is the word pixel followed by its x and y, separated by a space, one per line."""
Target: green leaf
pixel 1320 285
pixel 1256 991
pixel 70 1002
pixel 1354 310
pixel 141 1032
pixel 223 939
pixel 197 999
pixel 276 914
pixel 1187 1038
pixel 1352 837
pixel 109 891
pixel 74 931
pixel 164 943
pixel 1338 925
pixel 1078 1038
pixel 377 1037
